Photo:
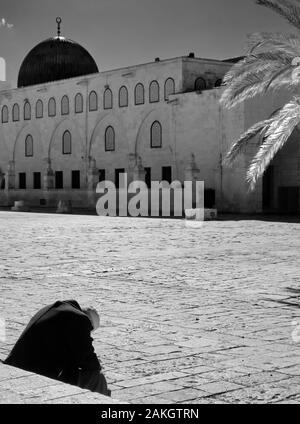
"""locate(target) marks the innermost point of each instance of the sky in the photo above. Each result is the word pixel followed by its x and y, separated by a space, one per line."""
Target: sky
pixel 120 33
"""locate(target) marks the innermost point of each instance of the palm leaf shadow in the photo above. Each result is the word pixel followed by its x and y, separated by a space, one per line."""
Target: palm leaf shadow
pixel 293 300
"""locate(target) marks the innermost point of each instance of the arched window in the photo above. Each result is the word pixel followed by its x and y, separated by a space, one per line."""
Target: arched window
pixel 93 101
pixel 156 135
pixel 78 103
pixel 107 99
pixel 4 114
pixel 123 97
pixel 39 109
pixel 28 145
pixel 109 139
pixel 169 88
pixel 139 94
pixel 153 92
pixel 16 112
pixel 67 143
pixel 218 83
pixel 65 105
pixel 52 107
pixel 200 84
pixel 27 111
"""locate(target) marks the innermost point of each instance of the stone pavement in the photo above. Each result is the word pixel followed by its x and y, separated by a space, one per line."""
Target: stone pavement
pixel 19 386
pixel 207 315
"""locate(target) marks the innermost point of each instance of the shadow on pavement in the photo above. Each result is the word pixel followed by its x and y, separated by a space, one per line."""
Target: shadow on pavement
pixel 293 218
pixel 292 300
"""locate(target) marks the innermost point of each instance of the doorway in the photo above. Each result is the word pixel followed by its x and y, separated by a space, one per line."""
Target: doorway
pixel 268 189
pixel 288 199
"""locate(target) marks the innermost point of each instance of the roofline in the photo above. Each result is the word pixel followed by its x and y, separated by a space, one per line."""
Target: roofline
pixel 126 68
pixel 234 59
pixel 184 58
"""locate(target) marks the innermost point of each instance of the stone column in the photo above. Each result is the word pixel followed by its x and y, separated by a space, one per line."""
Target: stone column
pixel 10 183
pixel 139 170
pixel 191 171
pixel 92 175
pixel 48 175
pixel 132 160
pixel 139 177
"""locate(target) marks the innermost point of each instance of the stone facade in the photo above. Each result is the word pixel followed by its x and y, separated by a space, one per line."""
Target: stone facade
pixel 193 125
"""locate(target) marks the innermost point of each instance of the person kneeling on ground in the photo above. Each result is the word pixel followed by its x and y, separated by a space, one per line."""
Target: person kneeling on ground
pixel 57 343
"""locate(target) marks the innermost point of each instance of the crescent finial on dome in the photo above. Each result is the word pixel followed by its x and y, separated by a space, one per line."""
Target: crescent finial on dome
pixel 58 21
pixel 55 59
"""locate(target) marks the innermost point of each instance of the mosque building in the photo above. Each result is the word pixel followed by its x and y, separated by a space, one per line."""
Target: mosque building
pixel 68 126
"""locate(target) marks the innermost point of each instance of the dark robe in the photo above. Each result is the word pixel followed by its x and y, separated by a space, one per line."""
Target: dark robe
pixel 56 343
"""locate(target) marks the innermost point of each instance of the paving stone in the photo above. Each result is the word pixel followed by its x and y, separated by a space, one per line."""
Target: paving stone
pixel 154 399
pixel 289 401
pixel 145 390
pixel 31 382
pixel 205 401
pixel 263 393
pixel 289 382
pixel 193 380
pixel 213 376
pixel 21 387
pixel 219 387
pixel 197 370
pixel 171 376
pixel 260 378
pixel 294 370
pixel 206 303
pixel 185 395
pixel 10 373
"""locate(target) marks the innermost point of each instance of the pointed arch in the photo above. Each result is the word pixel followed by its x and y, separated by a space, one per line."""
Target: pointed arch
pixel 39 109
pixel 67 143
pixel 139 94
pixel 169 88
pixel 143 135
pixel 27 111
pixel 107 99
pixel 29 145
pixel 98 134
pixel 200 84
pixel 156 135
pixel 52 107
pixel 65 106
pixel 4 114
pixel 123 96
pixel 56 136
pixel 28 129
pixel 78 103
pixel 93 101
pixel 153 92
pixel 16 112
pixel 109 139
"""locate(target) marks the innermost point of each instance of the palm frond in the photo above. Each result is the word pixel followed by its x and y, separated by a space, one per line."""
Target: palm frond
pixel 277 134
pixel 286 8
pixel 290 43
pixel 258 62
pixel 276 76
pixel 251 84
pixel 239 145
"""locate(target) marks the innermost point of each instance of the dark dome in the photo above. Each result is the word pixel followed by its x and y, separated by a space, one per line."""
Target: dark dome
pixel 55 59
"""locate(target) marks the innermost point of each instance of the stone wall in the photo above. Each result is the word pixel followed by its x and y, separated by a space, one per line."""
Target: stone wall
pixel 196 134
